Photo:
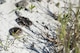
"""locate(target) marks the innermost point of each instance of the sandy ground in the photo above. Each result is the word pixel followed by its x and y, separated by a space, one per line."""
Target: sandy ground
pixel 29 42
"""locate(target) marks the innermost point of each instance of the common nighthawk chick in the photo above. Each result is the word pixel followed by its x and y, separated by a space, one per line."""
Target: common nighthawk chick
pixel 23 21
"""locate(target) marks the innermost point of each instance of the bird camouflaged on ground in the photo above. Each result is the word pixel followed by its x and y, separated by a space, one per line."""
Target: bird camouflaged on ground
pixel 23 21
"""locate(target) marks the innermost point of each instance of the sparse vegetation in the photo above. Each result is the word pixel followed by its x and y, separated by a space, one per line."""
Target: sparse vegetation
pixel 69 32
pixel 66 39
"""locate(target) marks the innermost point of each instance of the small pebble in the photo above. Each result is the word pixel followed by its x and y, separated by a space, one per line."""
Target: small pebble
pixel 15 31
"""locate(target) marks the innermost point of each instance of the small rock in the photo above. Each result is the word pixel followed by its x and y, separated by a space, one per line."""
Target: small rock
pixel 15 31
pixel 2 1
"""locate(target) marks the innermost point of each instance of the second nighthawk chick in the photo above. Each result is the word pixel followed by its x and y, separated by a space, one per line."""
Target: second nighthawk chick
pixel 23 21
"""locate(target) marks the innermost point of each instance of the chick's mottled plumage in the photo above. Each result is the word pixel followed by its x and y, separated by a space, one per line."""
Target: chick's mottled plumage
pixel 23 21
